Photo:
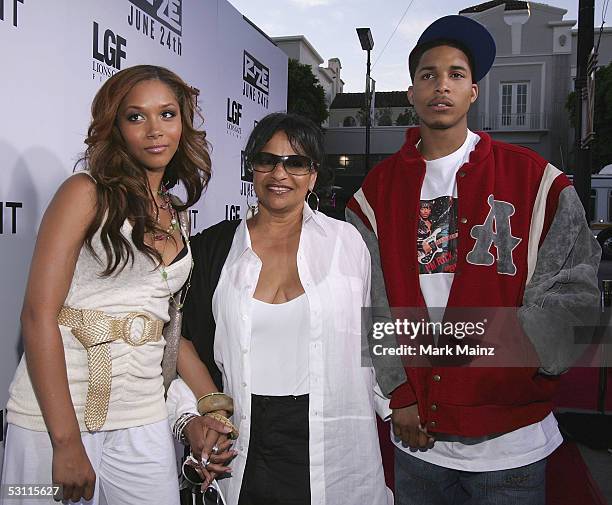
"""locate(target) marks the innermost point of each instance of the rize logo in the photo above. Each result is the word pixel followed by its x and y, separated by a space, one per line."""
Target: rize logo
pixel 15 10
pixel 245 173
pixel 246 178
pixel 159 20
pixel 255 73
pixel 256 78
pixel 108 49
pixel 168 12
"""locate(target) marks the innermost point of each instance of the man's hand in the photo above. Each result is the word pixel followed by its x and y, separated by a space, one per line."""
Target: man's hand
pixel 407 426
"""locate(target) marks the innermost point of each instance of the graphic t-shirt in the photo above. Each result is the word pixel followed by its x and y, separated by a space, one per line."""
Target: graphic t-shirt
pixel 436 249
pixel 437 225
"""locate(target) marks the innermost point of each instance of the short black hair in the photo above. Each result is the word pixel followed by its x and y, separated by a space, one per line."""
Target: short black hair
pixel 305 137
pixel 418 52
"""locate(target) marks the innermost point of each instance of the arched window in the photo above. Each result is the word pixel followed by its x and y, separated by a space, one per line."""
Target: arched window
pixel 349 121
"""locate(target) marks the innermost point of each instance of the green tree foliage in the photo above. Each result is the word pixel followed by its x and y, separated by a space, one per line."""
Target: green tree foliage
pixel 407 118
pixel 601 146
pixel 305 95
pixel 362 116
pixel 384 117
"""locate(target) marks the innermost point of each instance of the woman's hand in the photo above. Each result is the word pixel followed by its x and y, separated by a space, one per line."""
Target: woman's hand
pixel 72 470
pixel 203 435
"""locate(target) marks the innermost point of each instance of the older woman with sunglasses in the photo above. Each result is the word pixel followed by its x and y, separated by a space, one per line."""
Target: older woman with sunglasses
pixel 288 335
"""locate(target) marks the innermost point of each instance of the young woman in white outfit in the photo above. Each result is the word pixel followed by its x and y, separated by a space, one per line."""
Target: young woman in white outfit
pixel 86 409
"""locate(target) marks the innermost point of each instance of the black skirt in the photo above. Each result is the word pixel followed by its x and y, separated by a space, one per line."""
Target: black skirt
pixel 278 465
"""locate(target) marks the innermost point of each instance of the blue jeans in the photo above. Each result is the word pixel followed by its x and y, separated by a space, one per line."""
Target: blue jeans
pixel 420 483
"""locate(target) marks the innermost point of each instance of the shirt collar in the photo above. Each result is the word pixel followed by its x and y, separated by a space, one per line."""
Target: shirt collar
pixel 411 154
pixel 314 218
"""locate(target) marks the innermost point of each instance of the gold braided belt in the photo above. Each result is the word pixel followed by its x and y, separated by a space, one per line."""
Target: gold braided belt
pixel 96 330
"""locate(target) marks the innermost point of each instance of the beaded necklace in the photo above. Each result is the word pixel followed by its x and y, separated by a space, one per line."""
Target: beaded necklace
pixel 166 205
pixel 166 235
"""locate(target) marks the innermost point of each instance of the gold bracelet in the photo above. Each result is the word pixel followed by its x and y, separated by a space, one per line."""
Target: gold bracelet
pixel 215 401
pixel 233 435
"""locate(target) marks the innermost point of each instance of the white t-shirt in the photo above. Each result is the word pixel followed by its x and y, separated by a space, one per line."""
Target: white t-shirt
pixel 437 256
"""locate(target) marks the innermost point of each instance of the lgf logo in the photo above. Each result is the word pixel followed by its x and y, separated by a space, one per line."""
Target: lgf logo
pixel 232 212
pixel 114 47
pixel 234 112
pixel 255 73
pixel 15 5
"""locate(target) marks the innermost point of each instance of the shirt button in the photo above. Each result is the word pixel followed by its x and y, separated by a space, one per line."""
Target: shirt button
pixel 432 424
pixel 244 351
pixel 434 407
pixel 244 384
pixel 243 416
pixel 244 317
pixel 436 378
pixel 464 220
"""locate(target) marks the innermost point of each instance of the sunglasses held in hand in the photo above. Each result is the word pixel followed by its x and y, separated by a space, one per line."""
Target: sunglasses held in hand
pixel 194 480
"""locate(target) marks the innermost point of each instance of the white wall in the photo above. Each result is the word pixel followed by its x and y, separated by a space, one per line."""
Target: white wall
pixel 49 75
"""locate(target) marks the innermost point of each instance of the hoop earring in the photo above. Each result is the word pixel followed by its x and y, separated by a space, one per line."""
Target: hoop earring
pixel 252 208
pixel 310 193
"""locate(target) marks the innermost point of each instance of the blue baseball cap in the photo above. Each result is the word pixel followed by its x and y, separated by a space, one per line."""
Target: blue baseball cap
pixel 466 32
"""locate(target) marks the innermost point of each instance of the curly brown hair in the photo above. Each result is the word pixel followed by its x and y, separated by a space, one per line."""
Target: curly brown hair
pixel 122 186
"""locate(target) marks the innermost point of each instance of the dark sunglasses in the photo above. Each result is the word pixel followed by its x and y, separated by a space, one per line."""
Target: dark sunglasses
pixel 294 164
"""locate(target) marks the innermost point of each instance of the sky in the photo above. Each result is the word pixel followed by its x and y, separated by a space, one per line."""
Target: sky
pixel 329 25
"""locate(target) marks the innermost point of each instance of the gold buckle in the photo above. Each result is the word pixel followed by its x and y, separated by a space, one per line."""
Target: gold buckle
pixel 127 328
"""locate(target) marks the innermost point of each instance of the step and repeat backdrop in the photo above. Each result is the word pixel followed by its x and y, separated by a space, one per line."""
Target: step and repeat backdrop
pixel 55 56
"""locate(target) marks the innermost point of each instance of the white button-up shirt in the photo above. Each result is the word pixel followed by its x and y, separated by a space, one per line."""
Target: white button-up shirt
pixel 334 269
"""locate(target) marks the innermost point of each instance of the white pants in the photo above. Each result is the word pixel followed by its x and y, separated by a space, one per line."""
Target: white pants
pixel 134 466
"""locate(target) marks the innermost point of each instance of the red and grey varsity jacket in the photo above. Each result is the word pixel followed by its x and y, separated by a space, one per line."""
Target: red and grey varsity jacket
pixel 523 242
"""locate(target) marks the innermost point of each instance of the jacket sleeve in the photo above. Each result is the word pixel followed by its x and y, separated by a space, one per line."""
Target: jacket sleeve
pixel 560 307
pixel 389 369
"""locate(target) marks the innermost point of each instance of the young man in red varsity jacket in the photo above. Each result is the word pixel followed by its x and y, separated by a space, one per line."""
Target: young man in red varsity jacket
pixel 507 230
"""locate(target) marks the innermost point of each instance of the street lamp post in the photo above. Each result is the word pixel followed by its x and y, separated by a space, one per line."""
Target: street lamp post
pixel 582 174
pixel 367 44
